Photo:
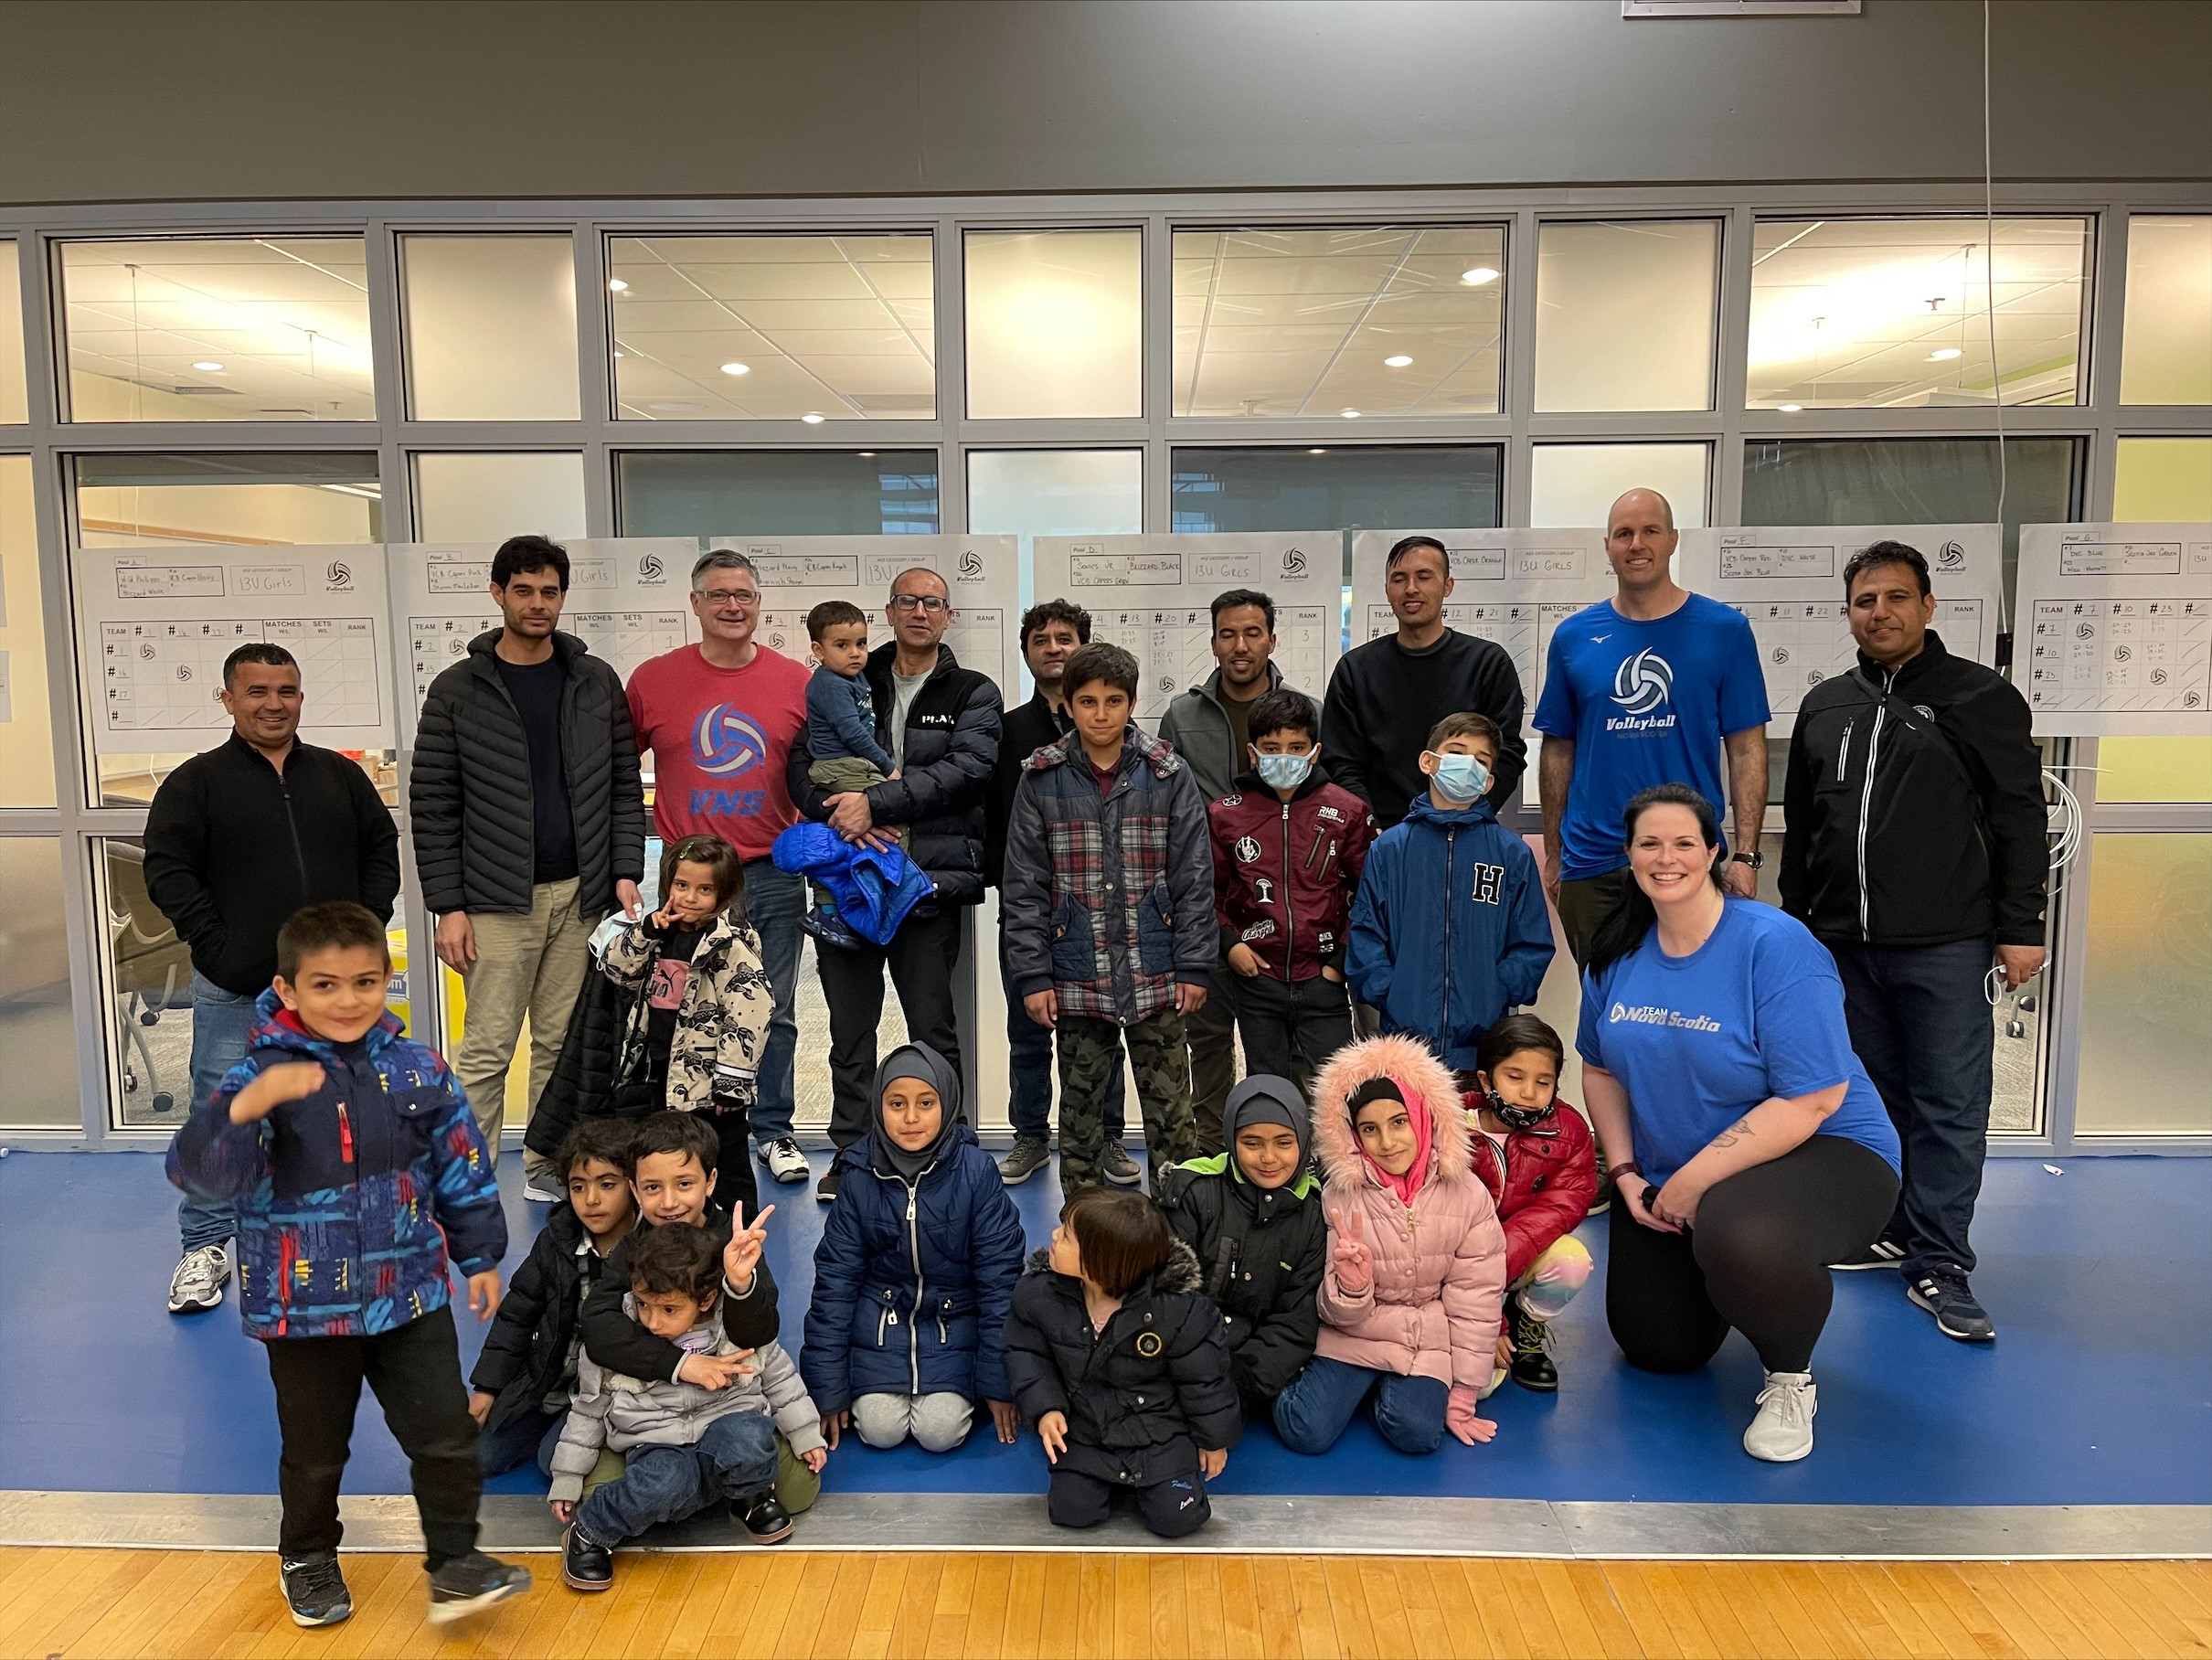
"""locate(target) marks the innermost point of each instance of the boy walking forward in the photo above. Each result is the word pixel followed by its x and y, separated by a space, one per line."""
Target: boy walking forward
pixel 1108 905
pixel 356 1167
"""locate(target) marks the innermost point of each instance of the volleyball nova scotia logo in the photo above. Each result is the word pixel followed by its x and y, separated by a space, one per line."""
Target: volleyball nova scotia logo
pixel 1642 682
pixel 727 742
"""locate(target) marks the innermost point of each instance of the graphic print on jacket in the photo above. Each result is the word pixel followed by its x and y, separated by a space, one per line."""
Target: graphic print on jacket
pixel 1284 872
pixel 722 1004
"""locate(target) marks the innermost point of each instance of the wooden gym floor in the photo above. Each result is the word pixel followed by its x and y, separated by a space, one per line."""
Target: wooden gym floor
pixel 71 1602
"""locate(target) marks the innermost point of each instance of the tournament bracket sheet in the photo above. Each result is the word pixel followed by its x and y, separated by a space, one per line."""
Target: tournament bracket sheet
pixel 1152 596
pixel 156 624
pixel 2116 628
pixel 1510 587
pixel 1789 584
pixel 628 601
pixel 799 572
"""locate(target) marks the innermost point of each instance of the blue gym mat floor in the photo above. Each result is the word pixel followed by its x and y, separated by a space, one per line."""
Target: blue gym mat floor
pixel 2098 1390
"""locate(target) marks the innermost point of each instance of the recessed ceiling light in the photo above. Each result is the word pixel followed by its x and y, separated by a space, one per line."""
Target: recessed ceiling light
pixel 1317 452
pixel 737 368
pixel 1788 408
pixel 868 455
pixel 208 368
pixel 1945 353
pixel 1478 276
pixel 1349 414
pixel 813 420
pixel 615 285
pixel 1398 362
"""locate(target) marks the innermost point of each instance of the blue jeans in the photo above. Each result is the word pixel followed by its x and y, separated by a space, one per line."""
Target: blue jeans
pixel 1919 1021
pixel 774 904
pixel 1029 1070
pixel 1314 1409
pixel 735 1459
pixel 524 1437
pixel 222 1023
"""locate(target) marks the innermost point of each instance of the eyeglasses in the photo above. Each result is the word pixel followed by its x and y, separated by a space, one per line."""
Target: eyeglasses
pixel 931 602
pixel 721 599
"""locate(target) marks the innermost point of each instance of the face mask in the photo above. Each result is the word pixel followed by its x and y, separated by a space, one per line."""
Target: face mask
pixel 1517 1118
pixel 1284 772
pixel 1460 779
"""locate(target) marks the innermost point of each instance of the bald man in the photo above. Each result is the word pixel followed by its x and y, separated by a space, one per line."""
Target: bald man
pixel 1652 686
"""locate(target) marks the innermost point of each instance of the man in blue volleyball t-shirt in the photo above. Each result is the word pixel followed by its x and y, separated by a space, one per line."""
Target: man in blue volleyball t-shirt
pixel 1649 687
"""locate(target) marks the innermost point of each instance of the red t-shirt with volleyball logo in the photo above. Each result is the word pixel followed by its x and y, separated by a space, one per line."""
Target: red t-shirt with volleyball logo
pixel 720 739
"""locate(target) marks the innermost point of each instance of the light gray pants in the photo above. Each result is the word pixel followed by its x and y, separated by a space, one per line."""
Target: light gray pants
pixel 938 1422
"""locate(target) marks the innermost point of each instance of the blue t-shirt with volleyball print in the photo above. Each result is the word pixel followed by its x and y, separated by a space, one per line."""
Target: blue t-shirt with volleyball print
pixel 1646 703
pixel 1757 1011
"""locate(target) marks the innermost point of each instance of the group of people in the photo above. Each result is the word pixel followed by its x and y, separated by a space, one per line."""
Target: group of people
pixel 1379 1216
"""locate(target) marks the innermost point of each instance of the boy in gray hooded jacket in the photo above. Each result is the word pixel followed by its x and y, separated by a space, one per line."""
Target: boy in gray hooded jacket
pixel 757 1444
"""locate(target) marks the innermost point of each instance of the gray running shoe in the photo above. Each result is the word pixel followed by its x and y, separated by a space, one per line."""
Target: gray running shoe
pixel 1028 1155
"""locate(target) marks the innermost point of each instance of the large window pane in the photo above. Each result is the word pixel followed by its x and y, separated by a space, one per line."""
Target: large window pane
pixel 2163 480
pixel 38 1021
pixel 189 328
pixel 2146 1004
pixel 13 405
pixel 26 730
pixel 1055 322
pixel 778 492
pixel 491 327
pixel 1379 319
pixel 472 496
pixel 2167 357
pixel 2153 769
pixel 773 328
pixel 1895 314
pixel 1624 315
pixel 1575 486
pixel 1348 487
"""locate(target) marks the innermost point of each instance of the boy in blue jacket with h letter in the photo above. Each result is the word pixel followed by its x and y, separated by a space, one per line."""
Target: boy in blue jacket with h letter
pixel 1446 972
pixel 356 1167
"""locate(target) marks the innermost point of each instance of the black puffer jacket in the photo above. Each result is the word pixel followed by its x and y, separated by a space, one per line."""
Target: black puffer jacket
pixel 1262 1255
pixel 468 789
pixel 1142 1397
pixel 620 1344
pixel 526 1353
pixel 944 777
pixel 1914 807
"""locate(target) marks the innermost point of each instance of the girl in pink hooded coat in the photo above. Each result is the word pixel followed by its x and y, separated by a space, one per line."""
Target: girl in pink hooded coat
pixel 1410 1299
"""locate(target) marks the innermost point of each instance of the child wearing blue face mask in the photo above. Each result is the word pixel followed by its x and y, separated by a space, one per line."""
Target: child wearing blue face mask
pixel 1450 930
pixel 1289 848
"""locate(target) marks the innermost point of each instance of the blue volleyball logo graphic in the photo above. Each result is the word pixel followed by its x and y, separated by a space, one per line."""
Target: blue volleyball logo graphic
pixel 1642 682
pixel 727 742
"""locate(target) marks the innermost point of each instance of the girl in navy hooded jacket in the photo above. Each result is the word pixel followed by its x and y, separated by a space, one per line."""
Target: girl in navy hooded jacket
pixel 916 1268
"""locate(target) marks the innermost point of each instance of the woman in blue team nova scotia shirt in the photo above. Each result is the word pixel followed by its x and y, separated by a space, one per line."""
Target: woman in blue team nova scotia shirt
pixel 1747 1147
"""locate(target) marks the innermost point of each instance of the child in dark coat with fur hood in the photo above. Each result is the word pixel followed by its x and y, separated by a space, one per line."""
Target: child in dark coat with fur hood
pixel 1122 1364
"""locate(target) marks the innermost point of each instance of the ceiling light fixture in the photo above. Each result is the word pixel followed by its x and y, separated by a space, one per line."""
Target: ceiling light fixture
pixel 868 455
pixel 615 285
pixel 1789 409
pixel 1478 276
pixel 813 420
pixel 737 368
pixel 1317 452
pixel 208 368
pixel 1349 414
pixel 1945 353
pixel 1398 362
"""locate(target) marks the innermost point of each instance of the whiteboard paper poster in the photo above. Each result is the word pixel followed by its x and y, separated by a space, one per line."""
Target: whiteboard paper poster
pixel 1152 596
pixel 799 572
pixel 155 624
pixel 2116 625
pixel 1789 583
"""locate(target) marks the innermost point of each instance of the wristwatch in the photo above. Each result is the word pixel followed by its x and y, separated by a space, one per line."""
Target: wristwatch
pixel 1753 859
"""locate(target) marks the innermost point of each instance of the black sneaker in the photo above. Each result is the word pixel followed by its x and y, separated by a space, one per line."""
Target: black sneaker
pixel 1028 1155
pixel 1532 1366
pixel 472 1583
pixel 827 1188
pixel 1118 1167
pixel 1885 1252
pixel 316 1590
pixel 1605 1201
pixel 1944 1291
pixel 763 1518
pixel 585 1563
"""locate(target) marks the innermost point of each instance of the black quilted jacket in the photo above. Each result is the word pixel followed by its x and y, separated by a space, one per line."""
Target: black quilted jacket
pixel 468 790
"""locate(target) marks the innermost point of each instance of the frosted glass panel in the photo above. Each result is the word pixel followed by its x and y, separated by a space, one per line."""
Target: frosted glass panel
pixel 27 731
pixel 12 369
pixel 1343 487
pixel 2163 480
pixel 2153 769
pixel 708 493
pixel 476 497
pixel 2167 355
pixel 491 327
pixel 2146 1004
pixel 37 1023
pixel 1055 323
pixel 1624 315
pixel 1575 486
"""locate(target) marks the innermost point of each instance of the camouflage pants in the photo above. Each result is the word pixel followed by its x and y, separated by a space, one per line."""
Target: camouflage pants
pixel 1090 1052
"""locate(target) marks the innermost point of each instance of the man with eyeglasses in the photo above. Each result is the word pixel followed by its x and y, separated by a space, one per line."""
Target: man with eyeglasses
pixel 941 725
pixel 720 719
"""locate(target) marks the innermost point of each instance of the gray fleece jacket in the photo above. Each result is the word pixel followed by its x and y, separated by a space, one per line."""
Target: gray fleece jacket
pixel 618 1412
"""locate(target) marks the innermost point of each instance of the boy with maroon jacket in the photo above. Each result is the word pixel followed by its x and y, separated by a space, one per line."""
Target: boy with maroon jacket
pixel 1289 848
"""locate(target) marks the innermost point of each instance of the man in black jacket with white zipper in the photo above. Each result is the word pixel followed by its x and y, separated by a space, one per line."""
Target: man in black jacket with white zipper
pixel 529 826
pixel 1917 849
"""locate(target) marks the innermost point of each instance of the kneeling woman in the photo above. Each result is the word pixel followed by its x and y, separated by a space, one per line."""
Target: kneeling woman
pixel 1410 1299
pixel 1746 1143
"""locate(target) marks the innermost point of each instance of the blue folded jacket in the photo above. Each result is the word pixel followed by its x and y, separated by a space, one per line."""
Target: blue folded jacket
pixel 874 890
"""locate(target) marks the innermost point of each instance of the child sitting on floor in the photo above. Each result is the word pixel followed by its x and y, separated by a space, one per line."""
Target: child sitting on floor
pixel 527 1372
pixel 686 1447
pixel 1122 1365
pixel 906 1331
pixel 1541 1167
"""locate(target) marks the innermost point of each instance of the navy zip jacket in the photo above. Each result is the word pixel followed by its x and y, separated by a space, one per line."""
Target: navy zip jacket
pixel 1446 972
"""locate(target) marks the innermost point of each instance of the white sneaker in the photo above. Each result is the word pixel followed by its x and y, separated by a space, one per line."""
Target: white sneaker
pixel 539 1190
pixel 784 1161
pixel 1782 1432
pixel 197 1286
